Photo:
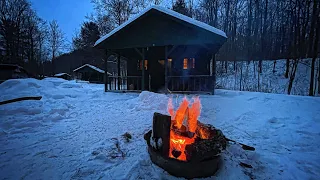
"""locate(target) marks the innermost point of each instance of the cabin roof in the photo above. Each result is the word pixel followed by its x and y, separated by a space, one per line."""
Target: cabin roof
pixel 170 13
pixel 61 74
pixel 92 67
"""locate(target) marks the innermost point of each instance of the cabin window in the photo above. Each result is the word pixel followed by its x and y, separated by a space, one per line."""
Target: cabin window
pixel 169 63
pixel 145 65
pixel 185 63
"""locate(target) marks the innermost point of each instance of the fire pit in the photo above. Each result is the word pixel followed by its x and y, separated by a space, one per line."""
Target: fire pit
pixel 182 145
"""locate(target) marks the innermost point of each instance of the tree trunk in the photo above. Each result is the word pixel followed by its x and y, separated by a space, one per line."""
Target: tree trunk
pixel 249 31
pixel 260 66
pixel 226 66
pixel 287 68
pixel 274 66
pixel 241 76
pixel 312 77
pixel 292 75
pixel 315 48
pixel 254 69
pixel 318 76
pixel 312 29
pixel 258 81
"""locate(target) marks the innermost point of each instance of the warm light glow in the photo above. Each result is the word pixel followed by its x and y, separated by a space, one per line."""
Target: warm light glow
pixel 179 143
pixel 185 63
pixel 146 64
pixel 181 113
pixel 190 116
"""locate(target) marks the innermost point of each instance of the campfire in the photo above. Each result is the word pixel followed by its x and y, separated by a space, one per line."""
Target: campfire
pixel 182 145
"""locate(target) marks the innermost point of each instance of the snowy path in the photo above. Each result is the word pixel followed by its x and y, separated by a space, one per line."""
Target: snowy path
pixel 71 133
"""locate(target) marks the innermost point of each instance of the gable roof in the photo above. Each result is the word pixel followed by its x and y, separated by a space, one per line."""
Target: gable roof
pixel 61 74
pixel 168 12
pixel 92 67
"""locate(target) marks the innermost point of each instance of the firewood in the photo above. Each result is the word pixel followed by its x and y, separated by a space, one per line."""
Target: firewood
pixel 203 149
pixel 245 147
pixel 245 165
pixel 161 130
pixel 20 99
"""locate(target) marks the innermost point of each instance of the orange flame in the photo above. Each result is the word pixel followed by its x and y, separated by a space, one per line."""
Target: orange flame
pixel 178 142
pixel 194 113
pixel 180 114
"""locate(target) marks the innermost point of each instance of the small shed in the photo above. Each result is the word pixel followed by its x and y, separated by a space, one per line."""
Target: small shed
pixel 165 50
pixel 12 71
pixel 65 76
pixel 90 73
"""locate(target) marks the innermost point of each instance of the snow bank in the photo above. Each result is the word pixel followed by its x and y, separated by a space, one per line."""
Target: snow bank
pixel 149 101
pixel 76 132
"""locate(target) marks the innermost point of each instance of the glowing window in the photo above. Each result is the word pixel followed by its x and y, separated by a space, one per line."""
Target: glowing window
pixel 185 63
pixel 169 63
pixel 146 64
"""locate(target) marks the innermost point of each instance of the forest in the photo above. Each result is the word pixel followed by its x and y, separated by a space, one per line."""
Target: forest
pixel 257 30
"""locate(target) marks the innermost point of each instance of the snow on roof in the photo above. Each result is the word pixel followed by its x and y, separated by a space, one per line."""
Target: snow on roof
pixel 169 12
pixel 92 67
pixel 61 74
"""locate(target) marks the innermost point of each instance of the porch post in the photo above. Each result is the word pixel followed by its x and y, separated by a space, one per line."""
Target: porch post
pixel 213 73
pixel 106 78
pixel 142 81
pixel 166 68
pixel 119 71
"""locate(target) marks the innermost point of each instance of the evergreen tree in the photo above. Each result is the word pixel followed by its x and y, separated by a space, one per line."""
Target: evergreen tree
pixel 88 36
pixel 181 7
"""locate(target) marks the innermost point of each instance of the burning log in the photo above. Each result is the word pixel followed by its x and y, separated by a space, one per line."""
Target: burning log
pixel 204 149
pixel 161 133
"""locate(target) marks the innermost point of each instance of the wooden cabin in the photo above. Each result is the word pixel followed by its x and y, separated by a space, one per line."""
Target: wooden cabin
pixel 65 76
pixel 12 71
pixel 90 73
pixel 165 51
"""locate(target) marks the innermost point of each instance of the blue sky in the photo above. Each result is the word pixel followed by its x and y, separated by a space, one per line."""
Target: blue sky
pixel 69 13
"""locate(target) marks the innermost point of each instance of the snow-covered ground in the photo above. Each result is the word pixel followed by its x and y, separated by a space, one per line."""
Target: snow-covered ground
pixel 72 132
pixel 270 82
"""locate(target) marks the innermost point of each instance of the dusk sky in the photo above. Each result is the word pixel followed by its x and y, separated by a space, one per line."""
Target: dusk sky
pixel 69 13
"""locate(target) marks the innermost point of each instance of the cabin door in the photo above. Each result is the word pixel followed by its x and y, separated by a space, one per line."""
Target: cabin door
pixel 157 75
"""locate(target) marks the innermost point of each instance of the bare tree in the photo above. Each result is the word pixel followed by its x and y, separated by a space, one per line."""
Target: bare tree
pixel 118 11
pixel 55 41
pixel 314 47
pixel 12 17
